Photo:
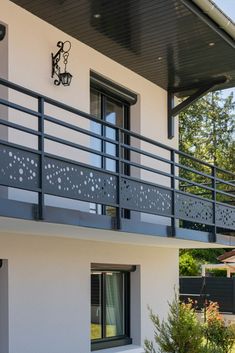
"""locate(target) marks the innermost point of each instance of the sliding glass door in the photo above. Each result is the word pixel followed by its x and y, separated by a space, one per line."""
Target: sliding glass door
pixel 113 111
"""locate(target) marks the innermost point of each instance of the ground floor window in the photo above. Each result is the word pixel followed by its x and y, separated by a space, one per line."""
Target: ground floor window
pixel 110 308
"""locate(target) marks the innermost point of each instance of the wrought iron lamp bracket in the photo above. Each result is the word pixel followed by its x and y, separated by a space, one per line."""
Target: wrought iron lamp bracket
pixel 65 77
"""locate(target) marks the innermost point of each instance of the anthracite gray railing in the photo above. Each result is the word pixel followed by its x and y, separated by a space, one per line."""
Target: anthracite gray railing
pixel 146 176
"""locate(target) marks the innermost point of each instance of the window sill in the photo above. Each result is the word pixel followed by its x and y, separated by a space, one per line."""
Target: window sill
pixel 130 348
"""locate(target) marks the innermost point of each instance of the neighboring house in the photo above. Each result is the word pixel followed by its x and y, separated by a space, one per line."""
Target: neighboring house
pixel 210 287
pixel 92 210
pixel 227 263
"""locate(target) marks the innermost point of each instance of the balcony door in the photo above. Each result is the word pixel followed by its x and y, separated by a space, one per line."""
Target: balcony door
pixel 117 112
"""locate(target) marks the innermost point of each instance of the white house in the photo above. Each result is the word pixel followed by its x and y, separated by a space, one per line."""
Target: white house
pixel 93 205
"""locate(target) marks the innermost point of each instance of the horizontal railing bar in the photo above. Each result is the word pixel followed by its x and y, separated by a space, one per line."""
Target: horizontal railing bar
pixel 55 103
pixel 83 199
pixel 168 148
pixel 148 212
pixel 19 88
pixel 78 129
pixel 145 153
pixel 145 182
pixel 224 193
pixel 194 158
pixel 20 147
pixel 207 188
pixel 79 147
pixel 141 166
pixel 218 182
pixel 90 117
pixel 221 181
pixel 80 164
pixel 181 166
pixel 146 139
pixel 225 204
pixel 21 187
pixel 204 163
pixel 80 113
pixel 19 127
pixel 224 171
pixel 194 196
pixel 193 183
pixel 19 107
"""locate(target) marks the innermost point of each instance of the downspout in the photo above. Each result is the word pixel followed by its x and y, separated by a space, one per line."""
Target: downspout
pixel 211 10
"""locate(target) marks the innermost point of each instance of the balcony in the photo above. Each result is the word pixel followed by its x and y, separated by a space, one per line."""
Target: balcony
pixel 52 170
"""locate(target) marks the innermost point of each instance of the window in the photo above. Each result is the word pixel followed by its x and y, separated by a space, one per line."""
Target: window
pixel 110 308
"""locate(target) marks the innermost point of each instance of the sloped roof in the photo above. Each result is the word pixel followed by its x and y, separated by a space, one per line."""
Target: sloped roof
pixel 228 256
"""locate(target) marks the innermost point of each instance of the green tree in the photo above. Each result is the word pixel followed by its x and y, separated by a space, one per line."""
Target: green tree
pixel 188 265
pixel 190 261
pixel 207 132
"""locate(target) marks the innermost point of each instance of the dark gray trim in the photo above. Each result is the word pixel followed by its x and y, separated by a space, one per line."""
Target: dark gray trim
pixel 107 86
pixel 56 215
pixel 113 267
pixel 110 343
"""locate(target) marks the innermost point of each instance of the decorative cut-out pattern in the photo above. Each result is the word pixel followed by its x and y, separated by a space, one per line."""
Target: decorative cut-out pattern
pixel 145 197
pixel 18 168
pixel 77 182
pixel 194 209
pixel 225 216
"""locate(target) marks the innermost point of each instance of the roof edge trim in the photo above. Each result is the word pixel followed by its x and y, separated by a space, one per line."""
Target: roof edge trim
pixel 217 15
pixel 207 18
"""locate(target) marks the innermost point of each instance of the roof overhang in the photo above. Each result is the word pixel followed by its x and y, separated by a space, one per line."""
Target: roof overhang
pixel 176 44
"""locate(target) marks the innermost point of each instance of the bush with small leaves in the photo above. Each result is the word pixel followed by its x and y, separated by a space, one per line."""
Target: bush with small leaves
pixel 181 332
pixel 220 336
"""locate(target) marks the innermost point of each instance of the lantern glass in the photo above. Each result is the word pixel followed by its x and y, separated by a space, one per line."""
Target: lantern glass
pixel 65 78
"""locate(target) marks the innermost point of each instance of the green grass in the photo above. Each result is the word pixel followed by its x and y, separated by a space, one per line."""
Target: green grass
pixel 96 331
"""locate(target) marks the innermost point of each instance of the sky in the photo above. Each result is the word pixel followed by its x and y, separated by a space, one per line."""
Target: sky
pixel 228 7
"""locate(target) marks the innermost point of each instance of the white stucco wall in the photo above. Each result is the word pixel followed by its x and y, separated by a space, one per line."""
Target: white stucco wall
pixel 4 307
pixel 49 277
pixel 31 42
pixel 49 289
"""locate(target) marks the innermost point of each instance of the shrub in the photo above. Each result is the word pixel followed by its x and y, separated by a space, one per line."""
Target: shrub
pixel 219 336
pixel 180 333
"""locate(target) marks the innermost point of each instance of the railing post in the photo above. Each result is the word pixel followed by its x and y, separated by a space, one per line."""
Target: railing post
pixel 41 198
pixel 119 171
pixel 213 234
pixel 173 193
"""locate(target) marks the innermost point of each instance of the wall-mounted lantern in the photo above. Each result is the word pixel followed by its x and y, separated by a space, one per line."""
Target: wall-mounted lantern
pixel 62 77
pixel 2 31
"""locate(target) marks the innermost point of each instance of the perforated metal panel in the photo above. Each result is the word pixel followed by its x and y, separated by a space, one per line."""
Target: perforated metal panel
pixel 145 197
pixel 77 182
pixel 225 216
pixel 19 168
pixel 194 209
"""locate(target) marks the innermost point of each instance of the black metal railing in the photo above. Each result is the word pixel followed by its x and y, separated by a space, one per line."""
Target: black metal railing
pixel 50 148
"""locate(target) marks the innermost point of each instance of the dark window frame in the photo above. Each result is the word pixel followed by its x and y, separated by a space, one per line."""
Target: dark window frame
pixel 104 95
pixel 120 340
